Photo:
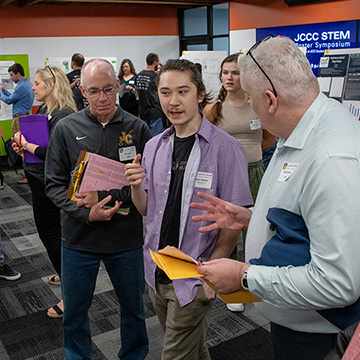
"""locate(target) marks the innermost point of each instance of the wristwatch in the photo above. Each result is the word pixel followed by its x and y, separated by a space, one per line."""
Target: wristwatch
pixel 244 282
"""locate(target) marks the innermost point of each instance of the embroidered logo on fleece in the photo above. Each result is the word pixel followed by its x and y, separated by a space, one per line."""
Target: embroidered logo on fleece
pixel 125 138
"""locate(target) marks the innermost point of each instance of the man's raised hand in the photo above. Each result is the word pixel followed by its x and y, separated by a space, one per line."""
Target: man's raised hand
pixel 134 172
pixel 223 214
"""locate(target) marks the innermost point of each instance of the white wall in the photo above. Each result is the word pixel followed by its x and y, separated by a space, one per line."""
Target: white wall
pixel 133 47
pixel 241 39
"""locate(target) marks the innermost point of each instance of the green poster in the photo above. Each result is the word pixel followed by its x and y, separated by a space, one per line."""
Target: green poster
pixel 5 110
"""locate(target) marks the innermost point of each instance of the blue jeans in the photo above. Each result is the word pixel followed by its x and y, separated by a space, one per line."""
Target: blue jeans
pixel 156 126
pixel 78 277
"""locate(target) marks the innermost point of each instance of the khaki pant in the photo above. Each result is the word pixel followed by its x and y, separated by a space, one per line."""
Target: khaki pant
pixel 185 327
pixel 15 127
pixel 15 123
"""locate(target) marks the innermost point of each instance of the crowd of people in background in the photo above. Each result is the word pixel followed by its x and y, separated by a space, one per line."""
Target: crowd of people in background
pixel 189 159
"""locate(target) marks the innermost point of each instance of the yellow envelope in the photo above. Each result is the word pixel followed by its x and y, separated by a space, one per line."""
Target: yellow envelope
pixel 178 265
pixel 174 267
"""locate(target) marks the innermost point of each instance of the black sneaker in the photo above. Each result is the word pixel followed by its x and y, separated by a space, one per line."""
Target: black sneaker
pixel 6 272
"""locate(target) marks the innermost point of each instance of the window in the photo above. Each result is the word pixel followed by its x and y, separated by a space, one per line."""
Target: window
pixel 204 28
pixel 195 22
pixel 221 43
pixel 221 19
pixel 197 47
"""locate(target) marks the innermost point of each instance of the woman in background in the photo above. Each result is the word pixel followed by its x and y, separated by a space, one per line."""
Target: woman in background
pixel 128 101
pixel 51 87
pixel 233 114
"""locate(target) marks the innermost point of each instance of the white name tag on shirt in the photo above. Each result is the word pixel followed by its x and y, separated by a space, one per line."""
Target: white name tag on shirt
pixel 132 82
pixel 203 180
pixel 255 124
pixel 127 153
pixel 287 170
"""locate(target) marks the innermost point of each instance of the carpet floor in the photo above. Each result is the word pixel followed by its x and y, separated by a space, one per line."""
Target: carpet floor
pixel 27 333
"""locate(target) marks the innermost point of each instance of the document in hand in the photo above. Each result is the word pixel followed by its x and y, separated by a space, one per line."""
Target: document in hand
pixel 36 130
pixel 353 350
pixel 178 265
pixel 95 172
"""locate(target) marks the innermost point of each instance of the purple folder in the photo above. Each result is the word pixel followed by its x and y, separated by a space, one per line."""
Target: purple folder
pixel 36 130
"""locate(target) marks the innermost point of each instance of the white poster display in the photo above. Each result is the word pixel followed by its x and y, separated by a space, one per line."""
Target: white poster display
pixel 7 84
pixel 341 79
pixel 210 63
pixel 337 87
pixel 241 40
pixel 64 63
pixel 324 83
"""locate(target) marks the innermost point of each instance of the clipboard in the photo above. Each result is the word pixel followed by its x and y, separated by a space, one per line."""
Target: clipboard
pixel 36 130
pixel 94 172
pixel 177 265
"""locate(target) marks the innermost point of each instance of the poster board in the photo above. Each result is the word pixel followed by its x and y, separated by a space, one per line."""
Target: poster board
pixel 316 37
pixel 6 110
pixel 332 73
pixel 210 62
pixel 7 84
pixel 64 63
pixel 339 77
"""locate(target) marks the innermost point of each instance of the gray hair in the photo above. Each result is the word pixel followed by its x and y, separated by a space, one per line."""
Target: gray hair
pixel 285 64
pixel 98 62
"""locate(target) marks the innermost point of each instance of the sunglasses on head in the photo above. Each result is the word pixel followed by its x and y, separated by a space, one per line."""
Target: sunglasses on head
pixel 258 65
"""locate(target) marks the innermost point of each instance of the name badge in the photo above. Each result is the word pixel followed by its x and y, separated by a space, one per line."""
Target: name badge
pixel 127 153
pixel 203 180
pixel 132 82
pixel 255 124
pixel 287 170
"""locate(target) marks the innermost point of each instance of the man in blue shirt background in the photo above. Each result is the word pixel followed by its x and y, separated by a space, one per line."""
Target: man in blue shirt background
pixel 21 98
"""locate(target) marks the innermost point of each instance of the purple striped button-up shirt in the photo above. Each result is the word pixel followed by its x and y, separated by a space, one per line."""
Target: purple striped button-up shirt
pixel 217 165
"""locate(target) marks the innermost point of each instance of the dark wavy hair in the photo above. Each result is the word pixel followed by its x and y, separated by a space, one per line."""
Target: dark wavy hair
pixel 132 68
pixel 195 76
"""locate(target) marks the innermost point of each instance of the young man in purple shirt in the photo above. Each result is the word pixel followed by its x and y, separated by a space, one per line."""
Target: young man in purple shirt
pixel 192 155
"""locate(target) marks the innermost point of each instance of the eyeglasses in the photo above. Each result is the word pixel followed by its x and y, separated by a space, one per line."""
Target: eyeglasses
pixel 107 90
pixel 251 55
pixel 48 67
